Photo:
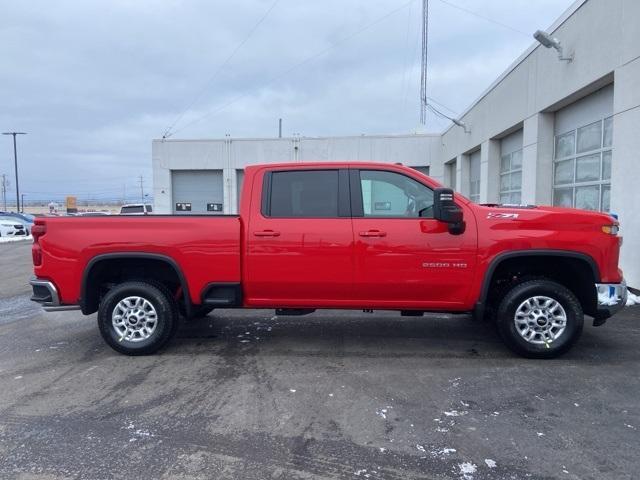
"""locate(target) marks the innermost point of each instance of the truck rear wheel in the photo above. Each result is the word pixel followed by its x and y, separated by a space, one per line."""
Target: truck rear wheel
pixel 137 318
pixel 539 319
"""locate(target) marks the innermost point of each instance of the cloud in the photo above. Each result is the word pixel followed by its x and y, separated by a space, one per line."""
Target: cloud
pixel 94 82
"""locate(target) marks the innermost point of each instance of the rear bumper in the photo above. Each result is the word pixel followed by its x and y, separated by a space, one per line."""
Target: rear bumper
pixel 46 294
pixel 612 297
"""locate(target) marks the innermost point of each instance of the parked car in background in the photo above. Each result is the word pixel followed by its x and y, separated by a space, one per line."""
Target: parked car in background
pixel 136 209
pixel 91 214
pixel 11 227
pixel 25 219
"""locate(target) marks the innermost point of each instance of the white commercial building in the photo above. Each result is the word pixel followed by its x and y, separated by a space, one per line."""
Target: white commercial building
pixel 547 131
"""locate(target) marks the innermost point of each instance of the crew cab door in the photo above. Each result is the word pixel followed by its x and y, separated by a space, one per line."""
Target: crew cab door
pixel 299 240
pixel 404 258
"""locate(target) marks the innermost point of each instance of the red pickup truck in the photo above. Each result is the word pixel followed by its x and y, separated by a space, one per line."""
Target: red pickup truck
pixel 341 236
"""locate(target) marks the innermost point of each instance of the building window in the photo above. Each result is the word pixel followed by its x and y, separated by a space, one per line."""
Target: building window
pixel 511 178
pixel 424 170
pixel 582 167
pixel 474 176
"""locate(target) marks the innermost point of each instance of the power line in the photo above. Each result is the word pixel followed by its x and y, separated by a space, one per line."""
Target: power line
pixel 299 64
pixel 141 188
pixel 5 186
pixel 15 158
pixel 167 132
pixel 438 113
pixel 433 100
pixel 425 57
pixel 484 17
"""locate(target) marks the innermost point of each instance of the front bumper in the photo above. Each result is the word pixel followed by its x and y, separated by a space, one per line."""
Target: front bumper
pixel 46 294
pixel 612 297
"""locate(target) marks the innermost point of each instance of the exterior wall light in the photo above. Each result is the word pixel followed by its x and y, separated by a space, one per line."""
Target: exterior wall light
pixel 461 124
pixel 548 41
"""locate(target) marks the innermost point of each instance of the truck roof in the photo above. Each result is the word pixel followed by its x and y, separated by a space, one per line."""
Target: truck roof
pixel 338 164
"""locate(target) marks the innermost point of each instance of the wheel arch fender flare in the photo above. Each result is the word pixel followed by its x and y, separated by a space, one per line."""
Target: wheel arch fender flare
pixel 91 264
pixel 501 257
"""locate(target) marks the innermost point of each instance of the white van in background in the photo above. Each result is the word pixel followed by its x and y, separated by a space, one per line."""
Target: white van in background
pixel 136 209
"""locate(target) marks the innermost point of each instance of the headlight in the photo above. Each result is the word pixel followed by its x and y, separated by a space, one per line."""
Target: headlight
pixel 610 229
pixel 7 224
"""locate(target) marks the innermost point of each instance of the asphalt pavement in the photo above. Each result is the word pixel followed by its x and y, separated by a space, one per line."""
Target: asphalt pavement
pixel 333 395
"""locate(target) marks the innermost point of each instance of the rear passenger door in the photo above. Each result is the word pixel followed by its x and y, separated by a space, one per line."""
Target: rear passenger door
pixel 299 241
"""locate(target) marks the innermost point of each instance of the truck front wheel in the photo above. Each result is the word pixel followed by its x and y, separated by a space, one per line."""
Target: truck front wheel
pixel 137 318
pixel 539 319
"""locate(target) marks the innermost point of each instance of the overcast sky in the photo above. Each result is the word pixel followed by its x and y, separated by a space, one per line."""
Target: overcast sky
pixel 94 82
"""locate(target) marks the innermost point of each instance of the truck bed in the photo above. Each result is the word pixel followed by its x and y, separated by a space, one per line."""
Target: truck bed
pixel 206 246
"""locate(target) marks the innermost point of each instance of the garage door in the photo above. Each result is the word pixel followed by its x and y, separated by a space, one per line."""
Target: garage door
pixel 197 191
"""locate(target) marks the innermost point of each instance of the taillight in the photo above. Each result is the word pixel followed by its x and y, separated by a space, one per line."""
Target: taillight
pixel 37 231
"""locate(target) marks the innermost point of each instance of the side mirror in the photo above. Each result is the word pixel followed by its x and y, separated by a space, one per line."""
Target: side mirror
pixel 447 211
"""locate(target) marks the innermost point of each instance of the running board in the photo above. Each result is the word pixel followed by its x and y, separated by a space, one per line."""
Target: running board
pixel 294 311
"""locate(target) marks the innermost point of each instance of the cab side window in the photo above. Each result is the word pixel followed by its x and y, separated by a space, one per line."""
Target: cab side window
pixel 303 194
pixel 393 195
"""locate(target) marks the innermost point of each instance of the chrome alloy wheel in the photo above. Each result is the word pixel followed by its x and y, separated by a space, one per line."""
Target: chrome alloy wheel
pixel 134 319
pixel 540 320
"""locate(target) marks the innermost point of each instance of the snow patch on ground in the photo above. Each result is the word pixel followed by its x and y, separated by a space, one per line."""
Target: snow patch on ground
pixel 382 412
pixel 455 413
pixel 15 239
pixel 467 469
pixel 490 463
pixel 632 299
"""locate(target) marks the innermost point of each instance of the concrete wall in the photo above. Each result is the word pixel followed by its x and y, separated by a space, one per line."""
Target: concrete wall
pixel 231 155
pixel 542 96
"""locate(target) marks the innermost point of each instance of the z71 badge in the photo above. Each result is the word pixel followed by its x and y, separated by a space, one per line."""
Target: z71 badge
pixel 502 215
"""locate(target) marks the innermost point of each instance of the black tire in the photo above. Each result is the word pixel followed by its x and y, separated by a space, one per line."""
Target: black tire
pixel 519 293
pixel 166 313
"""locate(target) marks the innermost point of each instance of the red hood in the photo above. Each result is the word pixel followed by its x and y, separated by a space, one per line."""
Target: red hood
pixel 536 212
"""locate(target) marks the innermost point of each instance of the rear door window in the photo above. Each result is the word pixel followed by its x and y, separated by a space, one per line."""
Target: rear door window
pixel 303 194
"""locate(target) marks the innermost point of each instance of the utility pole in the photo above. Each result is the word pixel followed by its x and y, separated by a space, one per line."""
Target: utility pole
pixel 5 185
pixel 15 159
pixel 141 188
pixel 22 197
pixel 279 128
